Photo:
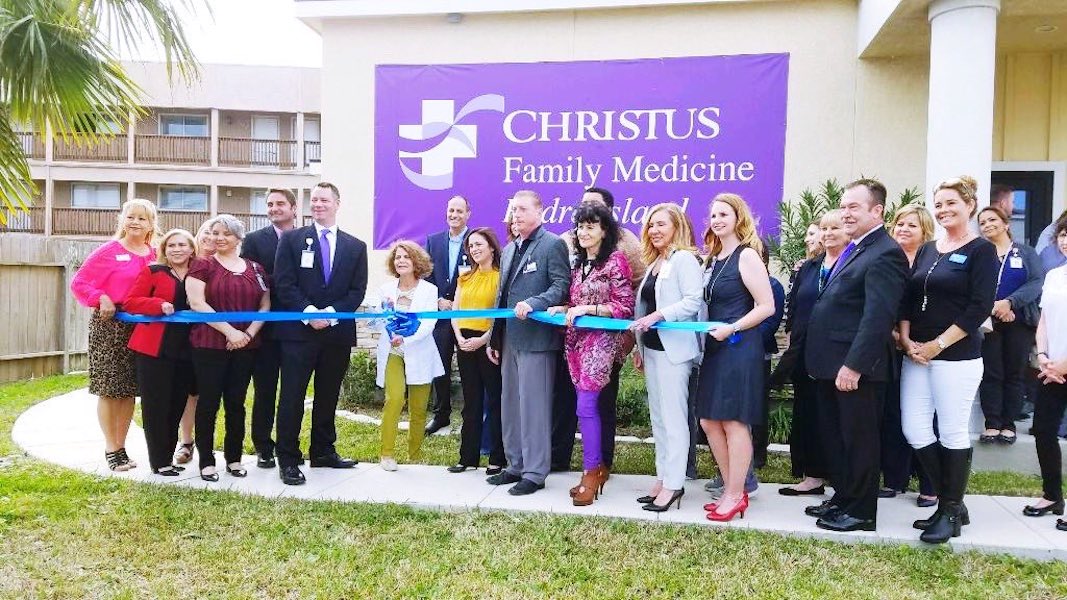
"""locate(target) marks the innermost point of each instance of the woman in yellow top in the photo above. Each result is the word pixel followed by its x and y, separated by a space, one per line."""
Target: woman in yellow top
pixel 480 378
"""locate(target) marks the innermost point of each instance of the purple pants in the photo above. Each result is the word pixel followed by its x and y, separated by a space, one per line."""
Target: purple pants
pixel 589 424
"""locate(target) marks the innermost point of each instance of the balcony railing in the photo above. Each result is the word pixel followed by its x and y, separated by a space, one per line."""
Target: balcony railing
pixel 32 144
pixel 105 148
pixel 256 153
pixel 84 221
pixel 172 149
pixel 252 221
pixel 188 220
pixel 312 152
pixel 30 221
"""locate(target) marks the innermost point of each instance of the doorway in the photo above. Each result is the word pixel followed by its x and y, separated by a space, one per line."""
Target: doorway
pixel 1034 197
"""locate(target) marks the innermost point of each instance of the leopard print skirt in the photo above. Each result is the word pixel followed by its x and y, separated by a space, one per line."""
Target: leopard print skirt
pixel 112 368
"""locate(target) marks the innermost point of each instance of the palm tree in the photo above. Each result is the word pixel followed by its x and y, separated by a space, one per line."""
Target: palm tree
pixel 59 66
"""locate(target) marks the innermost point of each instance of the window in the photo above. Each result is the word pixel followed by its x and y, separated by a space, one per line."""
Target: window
pixel 183 125
pixel 257 202
pixel 94 195
pixel 183 198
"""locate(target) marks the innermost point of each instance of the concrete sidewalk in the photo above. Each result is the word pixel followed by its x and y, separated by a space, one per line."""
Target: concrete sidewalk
pixel 63 430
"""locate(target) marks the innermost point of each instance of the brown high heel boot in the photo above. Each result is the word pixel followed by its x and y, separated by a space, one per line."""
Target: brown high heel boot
pixel 603 474
pixel 587 489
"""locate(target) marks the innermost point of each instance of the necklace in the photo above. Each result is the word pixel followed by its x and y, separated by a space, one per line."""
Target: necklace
pixel 926 281
pixel 709 291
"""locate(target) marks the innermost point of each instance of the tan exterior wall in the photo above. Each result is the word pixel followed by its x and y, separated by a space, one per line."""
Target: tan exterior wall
pixel 234 200
pixel 1030 119
pixel 846 117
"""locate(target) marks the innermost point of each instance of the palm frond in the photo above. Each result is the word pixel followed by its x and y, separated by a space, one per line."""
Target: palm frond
pixel 135 23
pixel 16 186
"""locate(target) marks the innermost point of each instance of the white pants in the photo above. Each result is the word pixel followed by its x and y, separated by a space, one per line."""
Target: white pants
pixel 944 387
pixel 668 402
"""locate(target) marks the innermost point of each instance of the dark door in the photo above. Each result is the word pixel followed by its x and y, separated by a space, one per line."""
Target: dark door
pixel 1033 202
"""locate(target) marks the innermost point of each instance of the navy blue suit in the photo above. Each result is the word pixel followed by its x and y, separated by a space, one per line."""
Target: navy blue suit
pixel 445 280
pixel 324 353
pixel 261 246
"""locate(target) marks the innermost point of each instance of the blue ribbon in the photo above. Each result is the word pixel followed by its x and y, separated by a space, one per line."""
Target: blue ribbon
pixel 398 321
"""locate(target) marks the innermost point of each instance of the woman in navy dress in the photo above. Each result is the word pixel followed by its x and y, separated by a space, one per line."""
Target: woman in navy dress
pixel 737 292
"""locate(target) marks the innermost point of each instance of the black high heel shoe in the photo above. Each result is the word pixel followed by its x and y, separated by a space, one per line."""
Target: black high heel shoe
pixel 237 471
pixel 1055 508
pixel 209 477
pixel 675 497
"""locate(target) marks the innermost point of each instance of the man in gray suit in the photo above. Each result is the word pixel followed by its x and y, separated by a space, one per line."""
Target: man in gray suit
pixel 534 274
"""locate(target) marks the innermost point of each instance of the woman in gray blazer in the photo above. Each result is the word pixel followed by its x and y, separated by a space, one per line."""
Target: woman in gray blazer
pixel 670 291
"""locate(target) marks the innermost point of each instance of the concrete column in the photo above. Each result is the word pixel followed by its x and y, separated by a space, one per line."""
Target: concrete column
pixel 213 200
pixel 131 192
pixel 131 138
pixel 300 160
pixel 959 137
pixel 214 137
pixel 49 147
pixel 300 206
pixel 49 196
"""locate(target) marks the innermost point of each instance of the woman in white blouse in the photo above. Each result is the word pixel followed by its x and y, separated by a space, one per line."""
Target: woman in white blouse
pixel 407 365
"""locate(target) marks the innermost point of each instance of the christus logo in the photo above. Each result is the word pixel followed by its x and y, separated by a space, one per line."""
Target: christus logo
pixel 442 126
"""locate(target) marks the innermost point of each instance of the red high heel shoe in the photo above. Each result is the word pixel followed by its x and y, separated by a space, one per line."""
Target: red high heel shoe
pixel 739 508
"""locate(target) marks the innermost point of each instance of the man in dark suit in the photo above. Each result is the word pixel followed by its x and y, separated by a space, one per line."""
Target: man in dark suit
pixel 318 270
pixel 449 260
pixel 534 275
pixel 261 246
pixel 849 352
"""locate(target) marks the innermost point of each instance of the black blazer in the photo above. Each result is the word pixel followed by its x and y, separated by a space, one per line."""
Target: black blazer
pixel 437 248
pixel 260 246
pixel 852 321
pixel 299 288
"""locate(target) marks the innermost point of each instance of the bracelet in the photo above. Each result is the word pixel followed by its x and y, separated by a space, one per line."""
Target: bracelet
pixel 735 328
pixel 1043 353
pixel 941 343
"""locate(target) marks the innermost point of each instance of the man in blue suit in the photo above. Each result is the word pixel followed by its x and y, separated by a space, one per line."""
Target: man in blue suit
pixel 319 270
pixel 449 262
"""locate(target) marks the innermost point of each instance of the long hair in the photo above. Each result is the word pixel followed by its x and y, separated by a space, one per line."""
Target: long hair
pixel 745 228
pixel 494 244
pixel 595 212
pixel 683 232
pixel 161 252
pixel 149 209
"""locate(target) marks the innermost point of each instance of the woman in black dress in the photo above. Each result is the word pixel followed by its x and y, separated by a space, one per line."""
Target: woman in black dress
pixel 738 294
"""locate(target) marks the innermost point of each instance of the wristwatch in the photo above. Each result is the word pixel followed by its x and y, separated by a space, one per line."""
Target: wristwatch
pixel 941 343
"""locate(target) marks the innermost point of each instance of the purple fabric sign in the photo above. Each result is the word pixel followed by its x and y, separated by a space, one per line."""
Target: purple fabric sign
pixel 656 130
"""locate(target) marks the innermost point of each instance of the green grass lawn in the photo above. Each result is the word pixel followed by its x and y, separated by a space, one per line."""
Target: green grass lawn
pixel 68 535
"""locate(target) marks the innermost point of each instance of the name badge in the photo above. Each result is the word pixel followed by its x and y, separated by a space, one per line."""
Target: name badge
pixel 1016 262
pixel 531 267
pixel 665 270
pixel 959 259
pixel 122 257
pixel 307 259
pixel 464 269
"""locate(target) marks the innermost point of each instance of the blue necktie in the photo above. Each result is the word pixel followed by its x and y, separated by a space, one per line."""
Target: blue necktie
pixel 841 260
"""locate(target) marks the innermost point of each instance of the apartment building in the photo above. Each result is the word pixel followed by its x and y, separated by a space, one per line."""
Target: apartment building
pixel 212 147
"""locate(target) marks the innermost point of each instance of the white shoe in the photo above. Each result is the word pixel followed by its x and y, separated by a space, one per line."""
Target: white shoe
pixel 388 464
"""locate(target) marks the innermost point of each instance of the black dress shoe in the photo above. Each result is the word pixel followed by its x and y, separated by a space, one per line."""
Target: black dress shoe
pixel 823 510
pixel 840 521
pixel 1055 508
pixel 266 461
pixel 333 461
pixel 493 470
pixel 925 502
pixel 1061 524
pixel 291 476
pixel 435 426
pixel 525 487
pixel 502 478
pixel 458 468
pixel 887 493
pixel 788 491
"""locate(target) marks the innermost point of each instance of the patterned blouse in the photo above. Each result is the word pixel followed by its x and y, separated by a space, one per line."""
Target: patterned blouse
pixel 592 353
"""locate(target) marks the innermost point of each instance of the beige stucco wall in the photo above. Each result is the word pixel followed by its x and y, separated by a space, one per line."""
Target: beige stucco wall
pixel 846 117
pixel 1030 120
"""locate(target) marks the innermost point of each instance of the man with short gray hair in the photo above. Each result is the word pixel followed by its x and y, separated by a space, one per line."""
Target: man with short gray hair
pixel 534 275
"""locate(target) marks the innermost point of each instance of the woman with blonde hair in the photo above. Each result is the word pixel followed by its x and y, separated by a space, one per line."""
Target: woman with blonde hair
pixel 103 283
pixel 948 297
pixel 407 365
pixel 669 291
pixel 912 227
pixel 164 367
pixel 737 292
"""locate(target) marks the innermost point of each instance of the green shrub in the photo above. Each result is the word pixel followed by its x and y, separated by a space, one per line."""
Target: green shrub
pixel 780 423
pixel 358 388
pixel 632 405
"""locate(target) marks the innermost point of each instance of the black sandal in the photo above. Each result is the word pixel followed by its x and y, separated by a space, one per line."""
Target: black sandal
pixel 209 477
pixel 459 468
pixel 116 462
pixel 126 458
pixel 168 471
pixel 237 471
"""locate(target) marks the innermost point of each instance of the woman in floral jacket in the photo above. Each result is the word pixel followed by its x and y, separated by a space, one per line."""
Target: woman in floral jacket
pixel 600 286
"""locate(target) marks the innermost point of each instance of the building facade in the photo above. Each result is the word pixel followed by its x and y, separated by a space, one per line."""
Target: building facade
pixel 214 147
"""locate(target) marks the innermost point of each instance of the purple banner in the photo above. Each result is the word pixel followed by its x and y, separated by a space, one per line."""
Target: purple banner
pixel 657 130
